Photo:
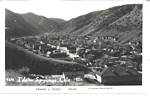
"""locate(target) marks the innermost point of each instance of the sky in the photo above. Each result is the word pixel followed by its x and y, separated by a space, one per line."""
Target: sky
pixel 60 9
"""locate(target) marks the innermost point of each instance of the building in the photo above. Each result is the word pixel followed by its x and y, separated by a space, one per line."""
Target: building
pixel 58 54
pixel 74 75
pixel 72 49
pixel 121 76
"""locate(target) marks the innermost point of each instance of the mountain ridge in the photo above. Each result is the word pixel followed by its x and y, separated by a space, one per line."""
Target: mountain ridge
pixel 16 26
pixel 120 21
pixel 42 23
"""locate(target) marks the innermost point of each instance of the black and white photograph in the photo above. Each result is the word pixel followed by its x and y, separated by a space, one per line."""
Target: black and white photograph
pixel 71 46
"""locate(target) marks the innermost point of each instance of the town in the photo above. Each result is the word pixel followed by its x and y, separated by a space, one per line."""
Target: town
pixel 110 61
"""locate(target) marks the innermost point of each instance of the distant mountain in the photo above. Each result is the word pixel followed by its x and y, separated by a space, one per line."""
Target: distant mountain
pixel 123 22
pixel 129 27
pixel 57 20
pixel 16 26
pixel 42 23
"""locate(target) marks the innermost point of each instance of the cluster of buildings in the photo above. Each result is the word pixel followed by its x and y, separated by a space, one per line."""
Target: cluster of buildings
pixel 110 62
pixel 46 49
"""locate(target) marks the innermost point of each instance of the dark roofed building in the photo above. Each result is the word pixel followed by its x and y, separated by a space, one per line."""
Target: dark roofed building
pixel 58 55
pixel 121 76
pixel 72 49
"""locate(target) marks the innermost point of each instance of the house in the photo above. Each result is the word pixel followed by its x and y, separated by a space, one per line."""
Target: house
pixel 13 40
pixel 36 46
pixel 45 48
pixel 91 78
pixel 74 75
pixel 121 76
pixel 72 49
pixel 58 54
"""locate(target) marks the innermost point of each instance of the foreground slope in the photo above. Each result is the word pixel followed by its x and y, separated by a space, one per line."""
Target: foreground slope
pixel 16 57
